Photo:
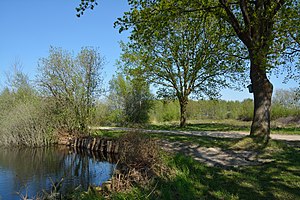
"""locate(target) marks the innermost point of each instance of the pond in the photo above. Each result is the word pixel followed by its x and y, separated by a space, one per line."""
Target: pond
pixel 32 170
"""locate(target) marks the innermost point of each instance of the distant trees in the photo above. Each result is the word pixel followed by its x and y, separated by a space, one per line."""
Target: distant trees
pixel 71 84
pixel 287 98
pixel 286 103
pixel 168 111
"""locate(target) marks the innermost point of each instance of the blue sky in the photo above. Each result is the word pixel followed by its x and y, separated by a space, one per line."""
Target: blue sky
pixel 30 27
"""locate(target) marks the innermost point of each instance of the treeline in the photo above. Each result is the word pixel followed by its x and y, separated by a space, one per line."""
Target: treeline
pixel 204 109
pixel 65 98
pixel 285 104
pixel 217 109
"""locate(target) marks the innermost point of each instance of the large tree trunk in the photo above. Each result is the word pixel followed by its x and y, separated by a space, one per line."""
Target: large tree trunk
pixel 183 103
pixel 262 91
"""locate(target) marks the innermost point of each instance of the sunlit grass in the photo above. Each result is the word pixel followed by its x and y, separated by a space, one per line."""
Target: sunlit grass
pixel 223 125
pixel 274 180
pixel 108 133
pixel 189 179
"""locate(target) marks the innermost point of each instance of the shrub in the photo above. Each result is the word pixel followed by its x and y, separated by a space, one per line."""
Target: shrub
pixel 140 162
pixel 26 124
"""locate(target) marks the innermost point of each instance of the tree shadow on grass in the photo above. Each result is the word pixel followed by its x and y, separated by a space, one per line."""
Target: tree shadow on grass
pixel 217 127
pixel 193 180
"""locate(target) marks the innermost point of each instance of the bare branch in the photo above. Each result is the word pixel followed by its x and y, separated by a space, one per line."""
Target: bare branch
pixel 243 5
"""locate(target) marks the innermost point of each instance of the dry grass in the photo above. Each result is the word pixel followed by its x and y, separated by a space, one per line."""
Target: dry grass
pixel 139 163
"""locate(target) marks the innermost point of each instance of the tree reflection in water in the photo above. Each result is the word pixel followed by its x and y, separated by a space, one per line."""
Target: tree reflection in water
pixel 33 169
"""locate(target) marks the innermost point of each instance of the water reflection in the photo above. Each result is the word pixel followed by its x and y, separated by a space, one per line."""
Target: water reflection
pixel 28 170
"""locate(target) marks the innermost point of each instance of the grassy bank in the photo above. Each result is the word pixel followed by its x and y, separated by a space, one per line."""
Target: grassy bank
pixel 185 178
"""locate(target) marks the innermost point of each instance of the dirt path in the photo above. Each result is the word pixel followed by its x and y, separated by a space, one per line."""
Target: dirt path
pixel 213 156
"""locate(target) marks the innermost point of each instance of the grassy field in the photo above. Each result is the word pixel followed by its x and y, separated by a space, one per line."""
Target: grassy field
pixel 189 179
pixel 225 125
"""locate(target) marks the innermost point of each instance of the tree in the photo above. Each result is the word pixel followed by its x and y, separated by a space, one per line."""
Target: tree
pixel 18 82
pixel 72 84
pixel 91 64
pixel 287 98
pixel 182 59
pixel 268 29
pixel 256 24
pixel 130 98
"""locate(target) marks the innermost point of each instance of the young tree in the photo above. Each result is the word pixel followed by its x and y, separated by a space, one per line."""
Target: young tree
pixel 182 59
pixel 131 98
pixel 90 65
pixel 72 83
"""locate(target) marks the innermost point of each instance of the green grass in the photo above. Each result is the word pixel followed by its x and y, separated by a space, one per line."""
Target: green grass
pixel 189 179
pixel 202 127
pixel 108 133
pixel 222 125
pixel 193 180
pixel 208 125
pixel 286 130
pixel 204 141
pixel 276 180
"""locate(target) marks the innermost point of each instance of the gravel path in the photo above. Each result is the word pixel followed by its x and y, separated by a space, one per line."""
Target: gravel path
pixel 218 134
pixel 215 156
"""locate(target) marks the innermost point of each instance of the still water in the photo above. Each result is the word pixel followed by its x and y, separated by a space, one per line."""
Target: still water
pixel 32 170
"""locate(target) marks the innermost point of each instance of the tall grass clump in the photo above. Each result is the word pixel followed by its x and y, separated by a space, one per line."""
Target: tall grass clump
pixel 24 118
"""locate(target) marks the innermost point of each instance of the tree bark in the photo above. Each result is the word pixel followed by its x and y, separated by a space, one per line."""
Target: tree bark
pixel 183 104
pixel 262 92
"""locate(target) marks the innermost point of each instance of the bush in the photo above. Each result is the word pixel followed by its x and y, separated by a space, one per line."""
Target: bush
pixel 26 124
pixel 139 163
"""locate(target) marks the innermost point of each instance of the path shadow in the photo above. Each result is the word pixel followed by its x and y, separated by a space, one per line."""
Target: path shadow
pixel 197 181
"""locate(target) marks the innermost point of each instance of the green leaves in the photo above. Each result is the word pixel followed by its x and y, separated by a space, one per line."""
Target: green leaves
pixel 182 53
pixel 131 97
pixel 84 5
pixel 72 83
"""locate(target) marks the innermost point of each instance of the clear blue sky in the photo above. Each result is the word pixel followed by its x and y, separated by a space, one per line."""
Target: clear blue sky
pixel 30 27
